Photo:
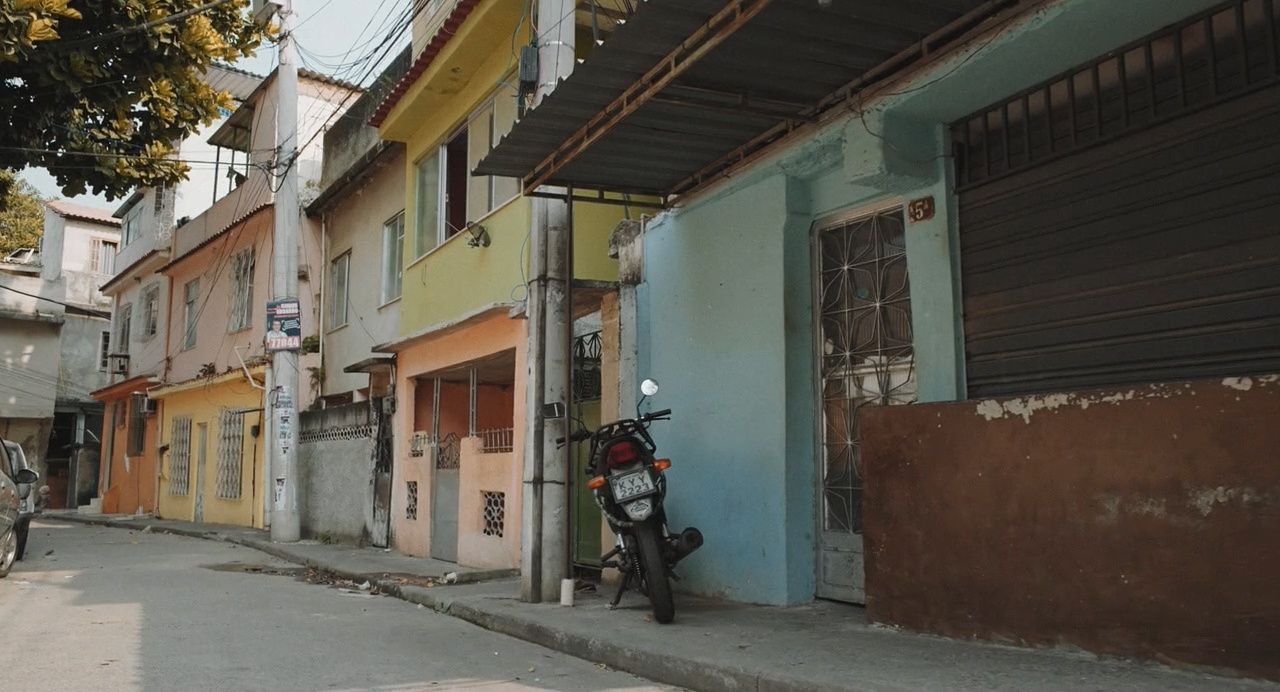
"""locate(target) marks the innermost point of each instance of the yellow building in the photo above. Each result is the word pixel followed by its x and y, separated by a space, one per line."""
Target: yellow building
pixel 460 387
pixel 211 432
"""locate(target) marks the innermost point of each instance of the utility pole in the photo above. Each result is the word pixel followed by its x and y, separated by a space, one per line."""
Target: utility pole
pixel 546 498
pixel 282 485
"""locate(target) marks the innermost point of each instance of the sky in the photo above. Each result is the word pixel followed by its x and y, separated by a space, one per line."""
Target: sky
pixel 326 31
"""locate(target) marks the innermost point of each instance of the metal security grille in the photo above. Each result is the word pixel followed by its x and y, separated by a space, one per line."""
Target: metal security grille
pixel 411 500
pixel 867 354
pixel 496 440
pixel 230 453
pixel 1205 59
pixel 586 367
pixel 495 512
pixel 449 452
pixel 342 432
pixel 180 457
pixel 419 443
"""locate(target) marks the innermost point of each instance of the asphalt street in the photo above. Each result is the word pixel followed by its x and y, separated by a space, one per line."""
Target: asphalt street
pixel 95 608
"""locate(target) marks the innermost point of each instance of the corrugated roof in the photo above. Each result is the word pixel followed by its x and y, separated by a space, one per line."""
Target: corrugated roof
pixel 71 210
pixel 775 72
pixel 233 80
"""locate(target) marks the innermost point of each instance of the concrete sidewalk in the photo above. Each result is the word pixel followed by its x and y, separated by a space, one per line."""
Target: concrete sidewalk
pixel 716 645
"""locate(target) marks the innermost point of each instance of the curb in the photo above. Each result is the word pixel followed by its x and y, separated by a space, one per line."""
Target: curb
pixel 660 667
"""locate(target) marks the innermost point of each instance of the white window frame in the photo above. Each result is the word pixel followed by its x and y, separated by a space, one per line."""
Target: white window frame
pixel 124 325
pixel 190 311
pixel 129 230
pixel 420 248
pixel 150 311
pixel 243 264
pixel 487 109
pixel 97 258
pixel 393 258
pixel 335 292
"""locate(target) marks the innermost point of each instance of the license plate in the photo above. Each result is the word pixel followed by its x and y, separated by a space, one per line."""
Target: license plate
pixel 631 485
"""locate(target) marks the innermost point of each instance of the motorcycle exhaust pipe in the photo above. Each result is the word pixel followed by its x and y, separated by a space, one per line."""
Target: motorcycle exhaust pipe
pixel 688 541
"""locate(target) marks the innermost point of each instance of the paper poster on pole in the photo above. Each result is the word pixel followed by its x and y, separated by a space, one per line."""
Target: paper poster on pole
pixel 284 325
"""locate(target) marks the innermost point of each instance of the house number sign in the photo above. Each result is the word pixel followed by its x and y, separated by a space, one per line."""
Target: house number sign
pixel 920 209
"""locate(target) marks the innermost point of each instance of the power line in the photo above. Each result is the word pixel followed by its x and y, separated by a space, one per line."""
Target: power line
pixel 99 313
pixel 104 155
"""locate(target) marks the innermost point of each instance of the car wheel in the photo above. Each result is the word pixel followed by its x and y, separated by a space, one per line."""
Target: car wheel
pixel 24 530
pixel 8 550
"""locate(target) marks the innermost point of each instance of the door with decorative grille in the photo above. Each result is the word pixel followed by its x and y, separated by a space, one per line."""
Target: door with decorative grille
pixel 865 358
pixel 444 498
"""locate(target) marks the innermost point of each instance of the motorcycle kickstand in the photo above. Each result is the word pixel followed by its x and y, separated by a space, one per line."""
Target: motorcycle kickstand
pixel 622 587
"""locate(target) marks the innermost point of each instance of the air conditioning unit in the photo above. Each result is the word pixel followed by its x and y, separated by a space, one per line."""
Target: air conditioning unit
pixel 119 363
pixel 150 406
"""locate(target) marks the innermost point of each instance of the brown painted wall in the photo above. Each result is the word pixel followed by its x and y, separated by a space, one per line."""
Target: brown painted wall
pixel 128 488
pixel 1141 521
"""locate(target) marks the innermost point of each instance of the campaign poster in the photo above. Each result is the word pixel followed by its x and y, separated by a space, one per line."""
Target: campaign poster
pixel 284 325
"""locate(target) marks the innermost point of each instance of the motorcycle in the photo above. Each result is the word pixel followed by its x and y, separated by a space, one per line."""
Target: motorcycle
pixel 629 485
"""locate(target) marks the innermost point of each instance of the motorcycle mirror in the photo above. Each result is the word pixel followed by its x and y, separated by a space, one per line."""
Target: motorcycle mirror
pixel 554 410
pixel 649 387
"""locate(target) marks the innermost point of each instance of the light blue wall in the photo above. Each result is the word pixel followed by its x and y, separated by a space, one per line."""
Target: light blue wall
pixel 717 332
pixel 725 310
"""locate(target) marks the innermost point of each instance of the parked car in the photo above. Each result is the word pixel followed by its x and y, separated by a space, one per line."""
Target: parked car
pixel 9 506
pixel 27 494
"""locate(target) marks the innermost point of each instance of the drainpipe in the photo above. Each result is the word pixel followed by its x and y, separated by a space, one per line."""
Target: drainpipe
pixel 546 506
pixel 324 269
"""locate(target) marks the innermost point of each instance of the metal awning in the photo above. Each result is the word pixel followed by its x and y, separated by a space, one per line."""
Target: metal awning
pixel 685 89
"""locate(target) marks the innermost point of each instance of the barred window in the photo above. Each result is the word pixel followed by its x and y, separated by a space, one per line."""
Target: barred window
pixel 180 457
pixel 411 500
pixel 242 290
pixel 495 512
pixel 230 453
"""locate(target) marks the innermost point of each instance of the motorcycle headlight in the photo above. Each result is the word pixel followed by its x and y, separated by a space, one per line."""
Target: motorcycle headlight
pixel 639 510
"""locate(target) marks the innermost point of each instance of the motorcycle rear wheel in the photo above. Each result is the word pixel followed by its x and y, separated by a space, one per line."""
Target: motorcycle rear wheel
pixel 654 564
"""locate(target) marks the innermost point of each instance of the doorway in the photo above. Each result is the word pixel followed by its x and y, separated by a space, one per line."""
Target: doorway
pixel 865 358
pixel 444 498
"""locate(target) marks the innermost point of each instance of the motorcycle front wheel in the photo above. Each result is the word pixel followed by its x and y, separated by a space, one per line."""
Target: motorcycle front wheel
pixel 654 564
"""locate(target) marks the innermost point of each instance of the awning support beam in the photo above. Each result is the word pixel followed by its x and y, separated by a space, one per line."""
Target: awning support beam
pixel 599 198
pixel 721 26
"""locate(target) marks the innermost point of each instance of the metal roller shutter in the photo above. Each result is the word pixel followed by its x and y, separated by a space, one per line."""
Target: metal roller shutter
pixel 1133 237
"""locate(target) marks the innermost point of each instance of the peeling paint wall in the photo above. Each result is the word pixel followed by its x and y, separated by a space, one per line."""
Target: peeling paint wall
pixel 1138 521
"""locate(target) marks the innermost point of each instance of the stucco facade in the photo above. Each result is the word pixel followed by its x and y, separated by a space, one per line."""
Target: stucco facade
pixel 712 333
pixel 461 315
pixel 53 319
pixel 355 227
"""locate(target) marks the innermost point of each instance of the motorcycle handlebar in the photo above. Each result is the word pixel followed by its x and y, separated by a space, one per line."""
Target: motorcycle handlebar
pixel 656 414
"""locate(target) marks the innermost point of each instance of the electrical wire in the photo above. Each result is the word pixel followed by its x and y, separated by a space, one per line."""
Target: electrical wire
pixel 50 300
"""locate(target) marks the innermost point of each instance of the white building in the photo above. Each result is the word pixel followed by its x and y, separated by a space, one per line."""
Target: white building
pixel 54 334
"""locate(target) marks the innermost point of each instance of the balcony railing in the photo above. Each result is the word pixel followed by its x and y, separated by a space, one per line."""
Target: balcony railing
pixel 496 440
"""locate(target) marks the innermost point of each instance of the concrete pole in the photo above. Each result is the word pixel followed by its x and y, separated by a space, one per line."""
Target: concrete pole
pixel 546 498
pixel 286 523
